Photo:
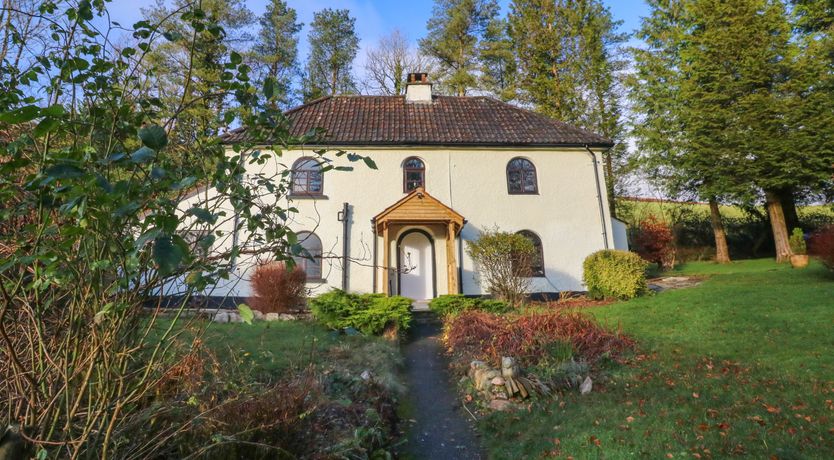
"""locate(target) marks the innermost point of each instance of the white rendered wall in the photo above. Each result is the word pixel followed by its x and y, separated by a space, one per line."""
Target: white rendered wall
pixel 565 214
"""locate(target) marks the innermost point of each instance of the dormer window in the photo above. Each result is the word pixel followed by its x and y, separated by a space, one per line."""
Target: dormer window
pixel 414 174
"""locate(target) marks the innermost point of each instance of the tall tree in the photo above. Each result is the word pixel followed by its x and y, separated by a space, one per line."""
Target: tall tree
pixel 185 68
pixel 454 32
pixel 390 61
pixel 333 47
pixel 276 49
pixel 664 140
pixel 498 64
pixel 569 62
pixel 739 94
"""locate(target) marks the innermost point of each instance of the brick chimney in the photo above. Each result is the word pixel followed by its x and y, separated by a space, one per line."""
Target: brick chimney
pixel 418 88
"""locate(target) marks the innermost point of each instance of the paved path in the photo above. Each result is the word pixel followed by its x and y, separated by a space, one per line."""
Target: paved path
pixel 442 428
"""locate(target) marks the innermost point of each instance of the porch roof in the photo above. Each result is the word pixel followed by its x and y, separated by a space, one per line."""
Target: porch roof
pixel 418 207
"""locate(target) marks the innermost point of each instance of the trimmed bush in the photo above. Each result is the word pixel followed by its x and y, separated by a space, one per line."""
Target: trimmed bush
pixel 654 241
pixel 277 289
pixel 615 274
pixel 821 245
pixel 797 242
pixel 456 303
pixel 367 313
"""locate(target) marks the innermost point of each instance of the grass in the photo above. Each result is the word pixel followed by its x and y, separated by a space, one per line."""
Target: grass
pixel 741 364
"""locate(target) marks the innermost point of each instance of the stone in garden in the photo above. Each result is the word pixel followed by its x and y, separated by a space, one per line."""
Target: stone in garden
pixel 586 386
pixel 498 381
pixel 483 377
pixel 509 368
pixel 366 375
pixel 477 365
pixel 257 314
pixel 221 317
pixel 500 405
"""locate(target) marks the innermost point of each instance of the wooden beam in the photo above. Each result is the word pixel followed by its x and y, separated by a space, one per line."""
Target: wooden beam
pixel 386 257
pixel 451 263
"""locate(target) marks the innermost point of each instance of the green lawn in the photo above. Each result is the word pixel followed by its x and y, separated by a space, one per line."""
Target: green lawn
pixel 742 364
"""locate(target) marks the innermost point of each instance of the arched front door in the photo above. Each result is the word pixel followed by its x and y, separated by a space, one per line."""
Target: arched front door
pixel 415 261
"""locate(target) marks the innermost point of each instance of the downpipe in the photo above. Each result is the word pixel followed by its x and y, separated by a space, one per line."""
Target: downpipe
pixel 599 197
pixel 344 217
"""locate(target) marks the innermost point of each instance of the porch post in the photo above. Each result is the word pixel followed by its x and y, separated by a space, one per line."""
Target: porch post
pixel 451 262
pixel 386 257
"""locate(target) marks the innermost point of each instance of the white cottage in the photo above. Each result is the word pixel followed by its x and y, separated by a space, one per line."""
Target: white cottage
pixel 448 168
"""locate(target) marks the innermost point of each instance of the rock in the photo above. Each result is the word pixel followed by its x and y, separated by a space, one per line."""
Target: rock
pixel 509 368
pixel 500 405
pixel 483 377
pixel 498 381
pixel 477 365
pixel 221 317
pixel 366 375
pixel 586 386
pixel 279 317
pixel 257 314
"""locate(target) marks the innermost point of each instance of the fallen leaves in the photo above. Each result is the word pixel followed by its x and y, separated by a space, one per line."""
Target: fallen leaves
pixel 772 409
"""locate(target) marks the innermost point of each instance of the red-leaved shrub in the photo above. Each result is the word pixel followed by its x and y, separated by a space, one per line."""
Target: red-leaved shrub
pixel 277 289
pixel 654 241
pixel 487 336
pixel 821 244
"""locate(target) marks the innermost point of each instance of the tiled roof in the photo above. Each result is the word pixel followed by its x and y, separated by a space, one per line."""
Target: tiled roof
pixel 448 120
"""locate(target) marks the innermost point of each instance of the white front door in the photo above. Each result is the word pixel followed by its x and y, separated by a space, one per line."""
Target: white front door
pixel 416 267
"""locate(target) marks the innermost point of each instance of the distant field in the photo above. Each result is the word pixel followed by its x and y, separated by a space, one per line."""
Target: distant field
pixel 634 210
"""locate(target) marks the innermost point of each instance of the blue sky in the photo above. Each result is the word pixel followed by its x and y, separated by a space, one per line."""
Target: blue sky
pixel 376 18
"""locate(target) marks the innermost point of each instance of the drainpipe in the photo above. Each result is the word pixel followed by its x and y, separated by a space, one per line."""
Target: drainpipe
pixel 376 243
pixel 460 260
pixel 344 218
pixel 599 198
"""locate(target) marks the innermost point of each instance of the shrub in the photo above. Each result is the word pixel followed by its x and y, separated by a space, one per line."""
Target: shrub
pixel 797 242
pixel 615 274
pixel 821 245
pixel 534 338
pixel 654 241
pixel 367 313
pixel 277 289
pixel 380 312
pixel 504 264
pixel 456 303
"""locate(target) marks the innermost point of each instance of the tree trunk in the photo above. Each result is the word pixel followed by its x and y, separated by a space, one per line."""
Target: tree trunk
pixel 722 252
pixel 609 183
pixel 786 196
pixel 780 229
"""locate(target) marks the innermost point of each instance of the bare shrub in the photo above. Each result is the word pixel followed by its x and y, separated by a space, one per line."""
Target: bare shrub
pixel 505 264
pixel 277 288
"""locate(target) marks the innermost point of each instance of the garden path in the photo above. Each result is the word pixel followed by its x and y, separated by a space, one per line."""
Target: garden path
pixel 440 428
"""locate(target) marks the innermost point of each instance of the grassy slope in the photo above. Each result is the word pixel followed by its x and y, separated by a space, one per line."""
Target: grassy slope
pixel 642 209
pixel 741 364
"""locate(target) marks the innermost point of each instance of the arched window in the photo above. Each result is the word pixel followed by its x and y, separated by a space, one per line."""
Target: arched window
pixel 521 177
pixel 537 264
pixel 414 174
pixel 311 261
pixel 307 177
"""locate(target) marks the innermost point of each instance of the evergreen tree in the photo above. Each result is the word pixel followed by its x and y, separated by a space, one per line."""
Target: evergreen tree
pixel 333 47
pixel 664 139
pixel 498 65
pixel 185 68
pixel 454 33
pixel 276 50
pixel 568 66
pixel 728 101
